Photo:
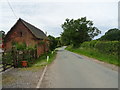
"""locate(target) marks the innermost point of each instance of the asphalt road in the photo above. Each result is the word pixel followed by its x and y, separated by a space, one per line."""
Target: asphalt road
pixel 70 70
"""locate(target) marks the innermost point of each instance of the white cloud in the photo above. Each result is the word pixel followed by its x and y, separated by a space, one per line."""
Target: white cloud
pixel 63 0
pixel 48 16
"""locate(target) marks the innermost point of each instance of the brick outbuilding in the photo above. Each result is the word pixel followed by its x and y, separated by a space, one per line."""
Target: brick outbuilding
pixel 24 32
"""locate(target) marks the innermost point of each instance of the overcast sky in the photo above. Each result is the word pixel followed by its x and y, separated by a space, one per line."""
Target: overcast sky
pixel 48 15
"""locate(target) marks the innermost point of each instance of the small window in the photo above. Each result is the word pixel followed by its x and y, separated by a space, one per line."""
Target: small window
pixel 21 34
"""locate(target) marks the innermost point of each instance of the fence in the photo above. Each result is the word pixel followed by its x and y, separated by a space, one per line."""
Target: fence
pixel 14 58
pixel 3 65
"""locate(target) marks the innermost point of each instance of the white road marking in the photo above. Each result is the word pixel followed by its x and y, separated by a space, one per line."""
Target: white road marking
pixel 40 80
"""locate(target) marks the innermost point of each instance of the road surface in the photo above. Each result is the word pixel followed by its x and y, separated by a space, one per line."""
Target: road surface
pixel 70 70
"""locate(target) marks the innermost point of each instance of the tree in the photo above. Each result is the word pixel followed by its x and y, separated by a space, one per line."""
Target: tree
pixel 77 31
pixel 2 36
pixel 111 35
pixel 2 33
pixel 58 39
pixel 53 42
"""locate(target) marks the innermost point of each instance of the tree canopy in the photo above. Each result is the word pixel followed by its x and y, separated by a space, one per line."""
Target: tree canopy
pixel 111 35
pixel 2 33
pixel 77 31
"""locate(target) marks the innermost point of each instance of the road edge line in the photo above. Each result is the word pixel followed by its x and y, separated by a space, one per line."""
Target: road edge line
pixel 40 80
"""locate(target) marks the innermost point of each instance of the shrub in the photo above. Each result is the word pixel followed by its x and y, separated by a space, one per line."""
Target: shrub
pixel 7 58
pixel 109 47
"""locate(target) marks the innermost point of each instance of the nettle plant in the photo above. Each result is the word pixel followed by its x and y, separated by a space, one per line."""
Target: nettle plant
pixel 23 46
pixel 19 46
pixel 31 47
pixel 41 43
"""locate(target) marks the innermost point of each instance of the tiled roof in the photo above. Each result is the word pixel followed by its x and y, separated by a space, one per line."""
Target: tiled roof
pixel 37 32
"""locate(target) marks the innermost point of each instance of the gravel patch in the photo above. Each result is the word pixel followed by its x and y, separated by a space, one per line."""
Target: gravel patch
pixel 21 77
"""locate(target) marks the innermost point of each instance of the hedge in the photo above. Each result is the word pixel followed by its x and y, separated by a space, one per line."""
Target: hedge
pixel 109 47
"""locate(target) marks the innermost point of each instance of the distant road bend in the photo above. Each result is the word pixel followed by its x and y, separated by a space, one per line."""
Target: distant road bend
pixel 70 70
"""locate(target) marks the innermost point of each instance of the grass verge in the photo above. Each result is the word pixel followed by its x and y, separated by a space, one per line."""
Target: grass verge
pixel 42 61
pixel 95 54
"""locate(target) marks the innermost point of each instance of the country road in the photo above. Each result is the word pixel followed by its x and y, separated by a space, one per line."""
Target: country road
pixel 70 70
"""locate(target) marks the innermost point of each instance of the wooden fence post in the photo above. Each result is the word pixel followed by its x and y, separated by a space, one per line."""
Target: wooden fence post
pixel 36 53
pixel 14 56
pixel 3 62
pixel 4 67
pixel 14 64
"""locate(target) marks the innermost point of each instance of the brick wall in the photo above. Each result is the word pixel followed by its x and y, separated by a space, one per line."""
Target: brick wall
pixel 19 33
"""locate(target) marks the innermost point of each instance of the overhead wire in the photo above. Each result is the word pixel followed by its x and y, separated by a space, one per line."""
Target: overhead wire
pixel 12 9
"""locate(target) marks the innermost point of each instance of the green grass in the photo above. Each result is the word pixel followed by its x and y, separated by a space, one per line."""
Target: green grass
pixel 95 54
pixel 42 61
